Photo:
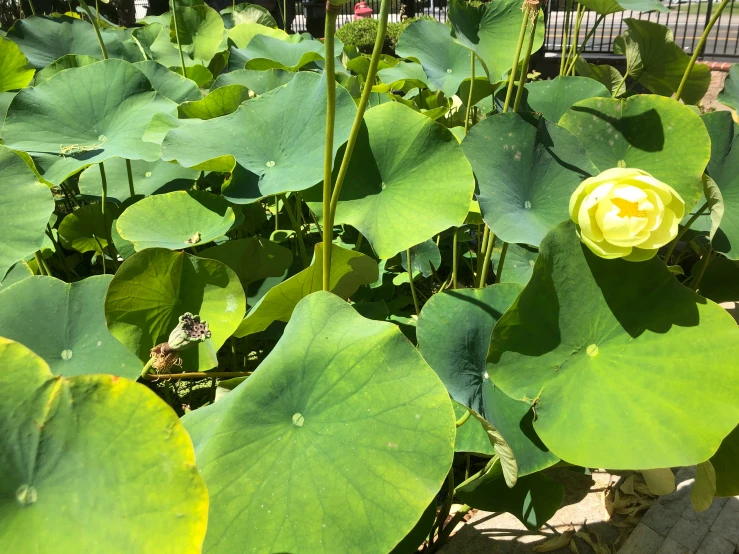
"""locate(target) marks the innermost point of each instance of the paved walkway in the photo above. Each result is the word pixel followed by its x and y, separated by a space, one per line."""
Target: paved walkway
pixel 672 526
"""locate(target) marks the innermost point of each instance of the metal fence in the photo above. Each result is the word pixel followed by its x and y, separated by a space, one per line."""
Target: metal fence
pixel 686 19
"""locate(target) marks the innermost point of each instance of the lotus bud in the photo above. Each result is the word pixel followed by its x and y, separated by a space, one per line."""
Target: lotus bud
pixel 626 213
pixel 190 331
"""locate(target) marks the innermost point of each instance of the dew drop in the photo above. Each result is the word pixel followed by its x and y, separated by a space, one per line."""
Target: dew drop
pixel 147 174
pixel 298 419
pixel 66 354
pixel 621 163
pixel 449 70
pixel 418 415
pixel 527 205
pixel 486 376
pixel 271 163
pixel 26 494
pixel 592 350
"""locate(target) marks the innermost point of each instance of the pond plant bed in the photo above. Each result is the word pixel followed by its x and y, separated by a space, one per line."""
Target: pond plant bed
pixel 266 293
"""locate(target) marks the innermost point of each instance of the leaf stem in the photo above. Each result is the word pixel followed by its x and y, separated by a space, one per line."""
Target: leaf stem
pixel 39 263
pixel 704 264
pixel 329 210
pixel 329 72
pixel 486 260
pixel 565 36
pixel 410 280
pixel 449 527
pixel 481 253
pixel 576 35
pixel 33 8
pixel 525 68
pixel 684 230
pixel 94 24
pixel 177 36
pixel 469 96
pixel 516 56
pixel 131 190
pixel 462 420
pixel 584 43
pixel 699 48
pixel 455 256
pixel 147 368
pixel 298 231
pixel 499 272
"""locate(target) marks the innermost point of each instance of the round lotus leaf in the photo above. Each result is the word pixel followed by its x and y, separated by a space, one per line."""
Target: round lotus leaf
pixel 406 71
pixel 518 263
pixel 407 181
pixel 65 62
pixel 247 13
pixel 201 31
pixel 88 462
pixel 45 39
pixel 729 95
pixel 453 336
pixel 657 62
pixel 552 98
pixel 176 220
pixel 343 408
pixel 491 31
pixel 258 82
pixel 168 83
pixel 148 178
pixel 153 288
pixel 724 463
pixel 24 210
pixel 253 259
pixel 525 173
pixel 221 101
pixel 266 52
pixel 608 334
pixel 15 71
pixel 723 170
pixel 87 229
pixel 349 271
pixel 658 135
pixel 605 7
pixel 70 332
pixel 288 156
pixel 425 258
pixel 445 62
pixel 85 115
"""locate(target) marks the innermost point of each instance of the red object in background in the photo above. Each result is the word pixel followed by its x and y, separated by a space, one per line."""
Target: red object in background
pixel 362 10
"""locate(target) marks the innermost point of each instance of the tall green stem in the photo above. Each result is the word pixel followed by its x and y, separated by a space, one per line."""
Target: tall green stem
pixel 298 231
pixel 39 263
pixel 469 96
pixel 584 42
pixel 525 68
pixel 565 36
pixel 177 36
pixel 486 260
pixel 499 271
pixel 409 261
pixel 575 36
pixel 131 190
pixel 97 12
pixel 699 48
pixel 455 256
pixel 704 264
pixel 516 57
pixel 329 72
pixel 95 25
pixel 684 230
pixel 329 209
pixel 481 252
pixel 33 8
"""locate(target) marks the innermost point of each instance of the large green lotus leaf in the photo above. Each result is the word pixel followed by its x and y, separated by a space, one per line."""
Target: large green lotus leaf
pixel 148 178
pixel 168 83
pixel 723 170
pixel 606 7
pixel 607 75
pixel 221 101
pixel 729 95
pixel 341 410
pixel 407 181
pixel 265 52
pixel 425 258
pixel 86 229
pixel 724 462
pixel 453 333
pixel 154 287
pixel 258 82
pixel 253 259
pixel 201 31
pixel 652 133
pixel 525 173
pixel 533 500
pixel 552 98
pixel 288 155
pixel 518 263
pixel 65 62
pixel 349 270
pixel 24 210
pixel 491 31
pixel 15 71
pixel 176 220
pixel 154 41
pixel 247 13
pixel 84 116
pixel 18 272
pixel 89 462
pixel 445 62
pixel 45 39
pixel 608 334
pixel 242 34
pixel 405 71
pixel 656 61
pixel 471 435
pixel 69 333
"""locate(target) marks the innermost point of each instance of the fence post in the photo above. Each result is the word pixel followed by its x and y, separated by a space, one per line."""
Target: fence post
pixel 705 24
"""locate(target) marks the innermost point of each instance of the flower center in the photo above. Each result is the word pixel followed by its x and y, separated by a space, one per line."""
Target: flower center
pixel 626 208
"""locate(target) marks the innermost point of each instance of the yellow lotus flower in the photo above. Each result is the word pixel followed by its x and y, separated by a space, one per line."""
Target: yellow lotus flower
pixel 626 213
